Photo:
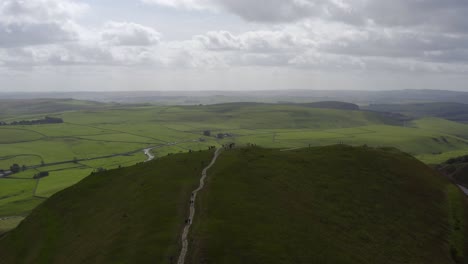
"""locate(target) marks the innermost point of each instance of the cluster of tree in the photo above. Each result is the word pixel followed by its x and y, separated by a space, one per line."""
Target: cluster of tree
pixel 15 168
pixel 462 159
pixel 456 169
pixel 41 174
pixel 46 120
pixel 230 146
pixel 207 133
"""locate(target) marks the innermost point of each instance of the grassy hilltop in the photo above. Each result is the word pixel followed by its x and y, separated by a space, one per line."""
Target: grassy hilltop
pixel 336 204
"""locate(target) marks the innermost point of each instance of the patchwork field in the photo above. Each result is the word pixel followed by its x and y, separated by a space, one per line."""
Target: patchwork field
pixel 107 137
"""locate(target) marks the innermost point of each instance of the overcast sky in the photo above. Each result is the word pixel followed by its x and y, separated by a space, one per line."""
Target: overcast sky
pixel 91 45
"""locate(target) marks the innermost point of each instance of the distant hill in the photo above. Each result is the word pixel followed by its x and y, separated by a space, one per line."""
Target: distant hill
pixel 253 115
pixel 264 96
pixel 451 111
pixel 15 107
pixel 335 204
pixel 333 105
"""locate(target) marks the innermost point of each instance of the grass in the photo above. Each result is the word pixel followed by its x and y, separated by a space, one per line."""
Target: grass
pixel 115 162
pixel 457 210
pixel 95 130
pixel 326 205
pixel 9 223
pixel 336 204
pixel 17 197
pixel 442 126
pixel 66 149
pixel 11 135
pixel 451 111
pixel 59 180
pixel 22 159
pixel 129 215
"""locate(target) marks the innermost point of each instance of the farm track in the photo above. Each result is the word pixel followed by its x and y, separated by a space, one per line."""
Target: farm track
pixel 193 198
pixel 149 154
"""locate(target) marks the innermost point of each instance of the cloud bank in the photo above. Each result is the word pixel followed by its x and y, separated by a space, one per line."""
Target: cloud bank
pixel 334 36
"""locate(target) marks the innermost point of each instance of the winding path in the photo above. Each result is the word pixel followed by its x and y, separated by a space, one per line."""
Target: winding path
pixel 464 190
pixel 149 154
pixel 183 251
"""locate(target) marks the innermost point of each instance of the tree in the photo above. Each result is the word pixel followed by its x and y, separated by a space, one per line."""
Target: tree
pixel 41 174
pixel 15 168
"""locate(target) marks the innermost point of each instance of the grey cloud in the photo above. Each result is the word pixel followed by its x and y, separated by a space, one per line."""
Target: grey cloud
pixel 40 10
pixel 261 41
pixel 375 42
pixel 436 14
pixel 446 15
pixel 129 34
pixel 37 22
pixel 272 10
pixel 23 34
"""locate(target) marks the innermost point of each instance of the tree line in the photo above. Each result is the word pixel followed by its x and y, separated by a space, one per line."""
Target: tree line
pixel 45 120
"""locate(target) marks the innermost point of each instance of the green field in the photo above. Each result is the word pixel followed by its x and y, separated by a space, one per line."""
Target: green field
pixel 110 136
pixel 335 204
pixel 15 135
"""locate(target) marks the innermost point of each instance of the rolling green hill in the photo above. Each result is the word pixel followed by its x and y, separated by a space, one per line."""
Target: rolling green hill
pixel 451 111
pixel 98 135
pixel 336 204
pixel 11 108
pixel 332 105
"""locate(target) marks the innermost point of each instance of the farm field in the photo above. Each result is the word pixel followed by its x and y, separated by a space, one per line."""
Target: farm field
pixel 115 136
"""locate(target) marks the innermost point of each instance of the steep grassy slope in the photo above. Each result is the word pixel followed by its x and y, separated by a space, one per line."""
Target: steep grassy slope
pixel 327 205
pixel 129 215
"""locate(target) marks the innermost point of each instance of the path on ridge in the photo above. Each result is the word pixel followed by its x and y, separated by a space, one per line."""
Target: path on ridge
pixel 193 198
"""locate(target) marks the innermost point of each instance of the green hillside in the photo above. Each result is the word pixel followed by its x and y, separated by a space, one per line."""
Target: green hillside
pixel 335 204
pixel 332 105
pixel 328 205
pixel 129 215
pixel 10 108
pixel 95 136
pixel 451 111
